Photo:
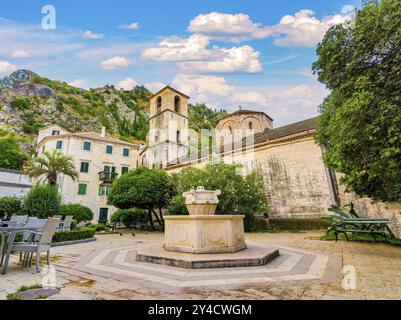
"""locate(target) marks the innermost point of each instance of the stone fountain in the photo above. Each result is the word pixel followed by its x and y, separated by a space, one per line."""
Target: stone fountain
pixel 205 240
pixel 203 231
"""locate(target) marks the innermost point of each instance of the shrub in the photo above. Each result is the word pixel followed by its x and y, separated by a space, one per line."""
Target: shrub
pixel 96 227
pixel 177 206
pixel 129 217
pixel 11 156
pixel 10 206
pixel 22 103
pixel 72 235
pixel 42 202
pixel 78 211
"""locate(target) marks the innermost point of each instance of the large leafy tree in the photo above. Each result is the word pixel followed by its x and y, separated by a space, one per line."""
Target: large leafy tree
pixel 50 165
pixel 360 125
pixel 143 188
pixel 11 156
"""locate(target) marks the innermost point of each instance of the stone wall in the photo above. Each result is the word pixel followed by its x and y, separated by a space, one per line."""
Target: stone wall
pixel 295 178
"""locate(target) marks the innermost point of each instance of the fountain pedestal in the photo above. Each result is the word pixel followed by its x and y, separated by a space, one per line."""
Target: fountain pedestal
pixel 205 233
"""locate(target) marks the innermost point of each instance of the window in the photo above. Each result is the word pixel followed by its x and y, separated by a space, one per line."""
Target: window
pixel 124 170
pixel 59 145
pixel 177 104
pixel 43 149
pixel 84 167
pixel 103 190
pixel 82 189
pixel 55 132
pixel 250 125
pixel 109 149
pixel 178 136
pixel 109 169
pixel 126 152
pixel 87 146
pixel 159 104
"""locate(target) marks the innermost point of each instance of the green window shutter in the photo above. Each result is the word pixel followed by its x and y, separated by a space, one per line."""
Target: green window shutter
pixel 124 170
pixel 126 152
pixel 109 149
pixel 84 167
pixel 59 145
pixel 87 146
pixel 82 189
pixel 103 190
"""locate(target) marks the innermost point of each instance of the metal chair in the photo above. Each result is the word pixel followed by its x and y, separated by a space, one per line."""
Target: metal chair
pixel 42 244
pixel 15 221
pixel 66 224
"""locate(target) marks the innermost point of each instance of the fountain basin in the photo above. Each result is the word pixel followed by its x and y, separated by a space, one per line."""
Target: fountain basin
pixel 204 233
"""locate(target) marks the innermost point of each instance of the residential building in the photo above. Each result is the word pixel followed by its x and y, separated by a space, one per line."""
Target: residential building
pixel 98 158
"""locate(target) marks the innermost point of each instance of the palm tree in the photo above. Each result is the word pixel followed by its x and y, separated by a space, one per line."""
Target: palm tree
pixel 50 165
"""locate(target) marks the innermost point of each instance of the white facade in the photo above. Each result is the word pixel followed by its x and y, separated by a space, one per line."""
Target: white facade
pixel 96 157
pixel 13 183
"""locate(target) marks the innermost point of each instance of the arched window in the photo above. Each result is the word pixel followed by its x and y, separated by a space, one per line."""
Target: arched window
pixel 159 104
pixel 177 104
pixel 230 130
pixel 250 125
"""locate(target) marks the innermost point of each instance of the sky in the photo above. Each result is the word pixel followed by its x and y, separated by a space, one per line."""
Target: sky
pixel 256 54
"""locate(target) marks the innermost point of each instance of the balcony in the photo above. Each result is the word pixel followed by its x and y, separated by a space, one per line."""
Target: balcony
pixel 107 176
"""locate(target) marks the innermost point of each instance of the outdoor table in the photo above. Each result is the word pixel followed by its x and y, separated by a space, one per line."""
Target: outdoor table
pixel 13 232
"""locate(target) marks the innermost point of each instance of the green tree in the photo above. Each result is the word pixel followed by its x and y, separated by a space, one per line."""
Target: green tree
pixel 239 194
pixel 50 166
pixel 360 123
pixel 11 156
pixel 78 211
pixel 148 189
pixel 42 202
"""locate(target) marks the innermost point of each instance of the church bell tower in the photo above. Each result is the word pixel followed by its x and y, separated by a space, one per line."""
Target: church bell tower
pixel 168 128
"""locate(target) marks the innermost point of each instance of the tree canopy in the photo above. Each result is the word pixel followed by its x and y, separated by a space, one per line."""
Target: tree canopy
pixel 50 165
pixel 360 123
pixel 142 188
pixel 11 156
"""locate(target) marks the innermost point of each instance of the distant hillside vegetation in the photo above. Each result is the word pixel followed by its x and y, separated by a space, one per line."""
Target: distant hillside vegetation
pixel 29 102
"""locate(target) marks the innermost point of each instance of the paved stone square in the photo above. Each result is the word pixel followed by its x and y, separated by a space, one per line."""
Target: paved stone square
pixel 307 268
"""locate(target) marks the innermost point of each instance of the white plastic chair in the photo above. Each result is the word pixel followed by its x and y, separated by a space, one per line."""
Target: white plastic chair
pixel 42 244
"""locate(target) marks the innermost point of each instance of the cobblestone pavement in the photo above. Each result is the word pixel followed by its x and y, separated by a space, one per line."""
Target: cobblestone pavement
pixel 378 271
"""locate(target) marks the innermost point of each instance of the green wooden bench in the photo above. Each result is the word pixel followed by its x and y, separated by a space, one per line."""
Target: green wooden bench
pixel 370 226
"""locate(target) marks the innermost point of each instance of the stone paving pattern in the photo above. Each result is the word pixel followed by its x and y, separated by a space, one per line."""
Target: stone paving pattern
pixel 378 268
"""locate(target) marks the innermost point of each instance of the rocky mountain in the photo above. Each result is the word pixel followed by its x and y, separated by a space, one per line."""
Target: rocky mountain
pixel 29 102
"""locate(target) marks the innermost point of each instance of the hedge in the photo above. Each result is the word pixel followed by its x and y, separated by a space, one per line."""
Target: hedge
pixel 72 235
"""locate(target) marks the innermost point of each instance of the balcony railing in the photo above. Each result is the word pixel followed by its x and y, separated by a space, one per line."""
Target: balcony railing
pixel 107 177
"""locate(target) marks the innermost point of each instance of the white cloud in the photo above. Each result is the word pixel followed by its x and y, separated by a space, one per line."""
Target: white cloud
pixel 20 54
pixel 92 36
pixel 228 27
pixel 127 84
pixel 180 49
pixel 77 83
pixel 303 29
pixel 300 29
pixel 347 9
pixel 215 91
pixel 154 86
pixel 131 26
pixel 193 56
pixel 241 59
pixel 7 67
pixel 115 63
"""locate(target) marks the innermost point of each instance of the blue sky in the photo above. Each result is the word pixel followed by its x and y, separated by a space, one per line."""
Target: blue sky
pixel 225 53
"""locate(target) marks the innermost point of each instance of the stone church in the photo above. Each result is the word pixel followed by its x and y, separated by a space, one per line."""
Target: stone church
pixel 296 181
